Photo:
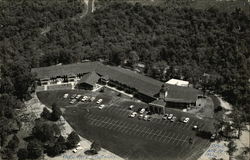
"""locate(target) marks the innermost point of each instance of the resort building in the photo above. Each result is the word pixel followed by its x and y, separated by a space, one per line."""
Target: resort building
pixel 86 75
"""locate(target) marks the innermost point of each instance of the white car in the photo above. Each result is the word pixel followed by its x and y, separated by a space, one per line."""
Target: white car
pixel 173 119
pixel 72 101
pixel 78 96
pixel 79 147
pixel 92 99
pixel 142 110
pixel 66 95
pixel 186 120
pixel 195 127
pixel 170 116
pixel 74 150
pixel 140 116
pixel 132 115
pixel 84 98
pixel 131 107
pixel 99 101
pixel 146 117
pixel 101 106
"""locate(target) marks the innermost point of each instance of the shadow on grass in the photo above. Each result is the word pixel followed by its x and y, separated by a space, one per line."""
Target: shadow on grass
pixel 91 152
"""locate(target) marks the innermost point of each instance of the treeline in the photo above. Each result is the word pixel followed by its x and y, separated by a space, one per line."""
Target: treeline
pixel 173 43
pixel 21 23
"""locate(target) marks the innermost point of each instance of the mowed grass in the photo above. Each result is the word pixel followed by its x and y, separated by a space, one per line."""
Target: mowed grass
pixel 129 137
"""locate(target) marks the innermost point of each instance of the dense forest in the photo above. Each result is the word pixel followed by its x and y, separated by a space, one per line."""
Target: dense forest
pixel 21 23
pixel 208 47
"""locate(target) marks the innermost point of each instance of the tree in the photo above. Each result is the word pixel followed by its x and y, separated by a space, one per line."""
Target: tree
pixel 20 76
pixel 56 112
pixel 231 148
pixel 34 149
pixel 73 139
pixel 13 143
pixel 55 149
pixel 46 114
pixel 22 154
pixel 44 132
pixel 95 146
pixel 61 139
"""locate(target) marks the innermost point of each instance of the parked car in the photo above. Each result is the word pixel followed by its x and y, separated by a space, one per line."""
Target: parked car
pixel 78 96
pixel 213 137
pixel 149 113
pixel 131 107
pixel 72 101
pixel 150 118
pixel 99 101
pixel 101 106
pixel 142 110
pixel 92 99
pixel 84 98
pixel 77 148
pixel 65 95
pixel 140 116
pixel 165 116
pixel 74 150
pixel 173 119
pixel 73 96
pixel 186 120
pixel 195 127
pixel 146 117
pixel 170 116
pixel 132 115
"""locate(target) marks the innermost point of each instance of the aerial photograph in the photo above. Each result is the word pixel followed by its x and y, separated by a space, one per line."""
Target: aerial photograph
pixel 124 79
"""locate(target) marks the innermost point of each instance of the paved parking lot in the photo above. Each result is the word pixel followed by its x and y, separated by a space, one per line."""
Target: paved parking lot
pixel 138 130
pixel 133 137
pixel 177 124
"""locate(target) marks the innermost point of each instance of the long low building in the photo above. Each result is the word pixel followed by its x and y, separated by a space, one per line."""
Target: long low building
pixel 142 87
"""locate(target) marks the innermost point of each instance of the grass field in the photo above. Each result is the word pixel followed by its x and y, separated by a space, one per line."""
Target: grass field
pixel 130 137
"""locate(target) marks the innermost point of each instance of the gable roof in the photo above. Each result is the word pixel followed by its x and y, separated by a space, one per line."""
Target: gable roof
pixel 181 94
pixel 64 70
pixel 143 84
pixel 89 78
pixel 158 102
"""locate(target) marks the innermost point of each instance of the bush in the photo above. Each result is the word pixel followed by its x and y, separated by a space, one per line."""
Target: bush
pixel 34 149
pixel 13 143
pixel 46 114
pixel 22 154
pixel 56 112
pixel 72 140
pixel 95 146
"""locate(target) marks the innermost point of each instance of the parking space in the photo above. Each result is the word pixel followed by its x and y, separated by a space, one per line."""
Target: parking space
pixel 124 112
pixel 112 125
pixel 161 136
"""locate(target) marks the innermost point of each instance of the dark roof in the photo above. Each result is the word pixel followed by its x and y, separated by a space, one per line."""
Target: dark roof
pixel 90 78
pixel 143 84
pixel 105 77
pixel 158 102
pixel 182 94
pixel 64 70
